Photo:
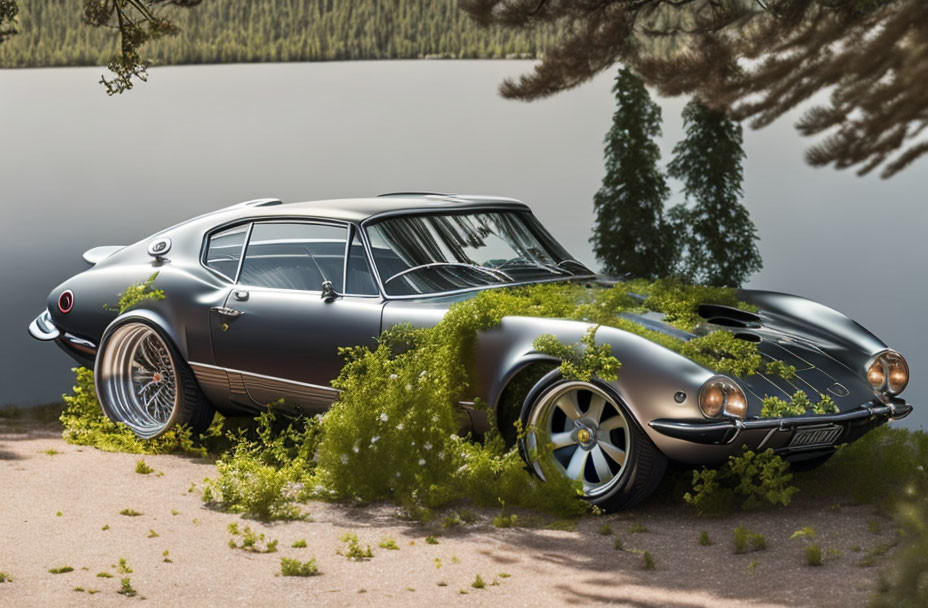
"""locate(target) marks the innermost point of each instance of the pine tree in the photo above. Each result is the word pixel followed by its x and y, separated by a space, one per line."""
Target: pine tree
pixel 630 236
pixel 719 239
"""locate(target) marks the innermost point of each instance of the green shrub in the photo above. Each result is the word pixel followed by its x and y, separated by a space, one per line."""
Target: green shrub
pixel 582 361
pixel 647 561
pixel 61 570
pixel 143 469
pixel 744 537
pixel 431 540
pixel 251 541
pixel 748 481
pixel 813 555
pixel 125 588
pixel 704 540
pixel 137 293
pixel 478 583
pixel 907 586
pixel 265 473
pixel 294 567
pixel 299 544
pixel 130 513
pixel 353 550
pixel 390 544
pixel 5 578
pixel 874 468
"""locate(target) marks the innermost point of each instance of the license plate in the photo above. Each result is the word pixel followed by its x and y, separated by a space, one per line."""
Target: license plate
pixel 820 435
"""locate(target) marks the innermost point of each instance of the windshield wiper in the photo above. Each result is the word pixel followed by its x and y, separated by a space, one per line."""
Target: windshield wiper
pixel 532 263
pixel 496 273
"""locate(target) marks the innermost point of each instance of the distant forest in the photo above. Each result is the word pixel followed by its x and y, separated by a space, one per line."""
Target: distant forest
pixel 226 31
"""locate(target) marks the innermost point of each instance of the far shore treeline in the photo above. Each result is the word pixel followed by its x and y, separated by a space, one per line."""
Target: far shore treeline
pixel 51 33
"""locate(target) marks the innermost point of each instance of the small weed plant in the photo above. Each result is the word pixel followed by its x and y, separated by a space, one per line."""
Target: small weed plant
pixel 746 540
pixel 250 541
pixel 748 481
pixel 143 469
pixel 294 567
pixel 353 550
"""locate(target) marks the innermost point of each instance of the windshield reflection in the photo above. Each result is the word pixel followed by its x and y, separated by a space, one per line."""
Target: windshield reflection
pixel 428 254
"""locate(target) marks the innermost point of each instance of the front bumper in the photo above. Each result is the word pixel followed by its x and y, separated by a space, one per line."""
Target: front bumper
pixel 786 435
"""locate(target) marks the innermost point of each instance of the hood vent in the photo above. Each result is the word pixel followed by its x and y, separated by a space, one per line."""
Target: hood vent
pixel 726 316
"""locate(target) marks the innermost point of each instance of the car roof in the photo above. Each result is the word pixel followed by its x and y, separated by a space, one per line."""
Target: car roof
pixel 360 209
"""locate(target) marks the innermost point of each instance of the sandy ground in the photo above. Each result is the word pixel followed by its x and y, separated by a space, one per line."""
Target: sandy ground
pixel 55 500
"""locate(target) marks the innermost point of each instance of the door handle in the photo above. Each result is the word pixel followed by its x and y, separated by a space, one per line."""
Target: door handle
pixel 240 294
pixel 225 311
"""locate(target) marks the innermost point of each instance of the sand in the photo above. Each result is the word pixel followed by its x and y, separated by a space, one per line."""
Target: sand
pixel 56 498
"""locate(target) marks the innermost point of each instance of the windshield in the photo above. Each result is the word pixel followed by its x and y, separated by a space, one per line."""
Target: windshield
pixel 426 254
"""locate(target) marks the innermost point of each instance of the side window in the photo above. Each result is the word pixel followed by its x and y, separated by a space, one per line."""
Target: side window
pixel 291 255
pixel 359 281
pixel 224 250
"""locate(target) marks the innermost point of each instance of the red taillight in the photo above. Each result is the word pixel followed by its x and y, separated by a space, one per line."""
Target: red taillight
pixel 66 302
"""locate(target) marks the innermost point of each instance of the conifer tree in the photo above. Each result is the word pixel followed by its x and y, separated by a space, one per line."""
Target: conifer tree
pixel 719 240
pixel 630 236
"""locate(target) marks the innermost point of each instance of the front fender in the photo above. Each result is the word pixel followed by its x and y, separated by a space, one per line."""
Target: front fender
pixel 648 382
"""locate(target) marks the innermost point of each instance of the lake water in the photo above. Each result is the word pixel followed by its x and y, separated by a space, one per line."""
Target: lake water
pixel 79 169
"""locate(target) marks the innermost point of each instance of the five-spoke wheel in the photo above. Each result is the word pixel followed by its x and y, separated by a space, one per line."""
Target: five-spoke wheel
pixel 582 431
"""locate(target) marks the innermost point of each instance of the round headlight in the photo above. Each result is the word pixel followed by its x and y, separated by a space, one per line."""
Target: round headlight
pixel 720 394
pixel 875 375
pixel 898 375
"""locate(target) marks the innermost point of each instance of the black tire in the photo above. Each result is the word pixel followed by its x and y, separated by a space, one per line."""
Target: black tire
pixel 643 467
pixel 119 364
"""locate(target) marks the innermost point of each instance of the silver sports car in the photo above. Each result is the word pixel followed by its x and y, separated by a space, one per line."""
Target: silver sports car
pixel 261 295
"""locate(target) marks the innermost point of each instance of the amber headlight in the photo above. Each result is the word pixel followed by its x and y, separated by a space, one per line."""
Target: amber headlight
pixel 888 372
pixel 720 394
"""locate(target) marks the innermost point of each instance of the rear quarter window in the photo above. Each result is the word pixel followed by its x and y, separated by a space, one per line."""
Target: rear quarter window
pixel 224 250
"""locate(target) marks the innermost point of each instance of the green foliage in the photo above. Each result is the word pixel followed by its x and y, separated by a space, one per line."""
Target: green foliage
pixel 123 567
pixel 907 586
pixel 125 588
pixel 143 469
pixel 266 470
pixel 605 530
pixel 53 34
pixel 813 554
pixel 130 513
pixel 874 468
pixel 506 521
pixel 104 575
pixel 61 570
pixel 806 533
pixel 137 293
pixel 85 424
pixel 251 541
pixel 704 540
pixel 637 528
pixel 5 577
pixel 618 544
pixel 799 405
pixel 478 583
pixel 431 540
pixel 744 537
pixel 747 481
pixel 353 550
pixel 299 544
pixel 152 533
pixel 647 561
pixel 718 236
pixel 390 544
pixel 294 567
pixel 631 236
pixel 582 361
pixel 781 369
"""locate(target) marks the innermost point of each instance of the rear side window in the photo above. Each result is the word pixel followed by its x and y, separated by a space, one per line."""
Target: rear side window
pixel 224 250
pixel 300 256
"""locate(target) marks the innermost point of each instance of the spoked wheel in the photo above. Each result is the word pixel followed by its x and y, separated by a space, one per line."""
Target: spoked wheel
pixel 580 430
pixel 143 383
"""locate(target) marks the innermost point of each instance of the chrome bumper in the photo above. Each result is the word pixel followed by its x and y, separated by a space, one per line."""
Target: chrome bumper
pixel 720 432
pixel 42 328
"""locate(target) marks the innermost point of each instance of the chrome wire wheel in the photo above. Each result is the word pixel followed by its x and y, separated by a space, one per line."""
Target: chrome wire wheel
pixel 138 380
pixel 576 428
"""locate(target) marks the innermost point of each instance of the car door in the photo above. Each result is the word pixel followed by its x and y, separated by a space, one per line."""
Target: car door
pixel 278 335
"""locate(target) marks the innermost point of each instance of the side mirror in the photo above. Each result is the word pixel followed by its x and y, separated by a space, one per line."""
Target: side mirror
pixel 328 291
